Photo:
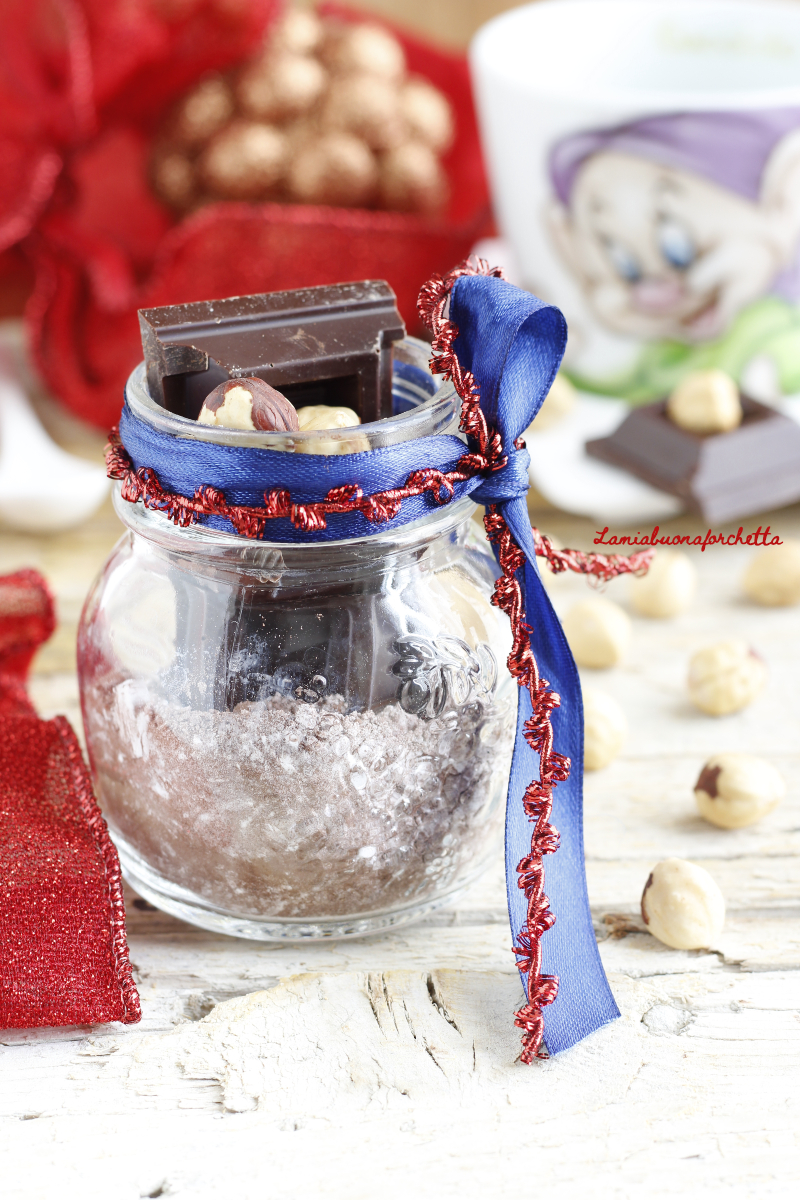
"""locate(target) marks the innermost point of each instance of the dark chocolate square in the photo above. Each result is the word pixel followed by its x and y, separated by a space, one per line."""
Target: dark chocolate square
pixel 721 476
pixel 319 345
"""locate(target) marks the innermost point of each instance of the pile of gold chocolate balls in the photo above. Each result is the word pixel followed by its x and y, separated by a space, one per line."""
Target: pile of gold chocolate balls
pixel 326 114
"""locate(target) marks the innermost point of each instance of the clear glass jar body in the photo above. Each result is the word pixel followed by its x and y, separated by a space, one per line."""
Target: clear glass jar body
pixel 303 740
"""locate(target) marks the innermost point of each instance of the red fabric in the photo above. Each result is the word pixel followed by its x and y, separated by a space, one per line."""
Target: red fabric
pixel 96 83
pixel 63 950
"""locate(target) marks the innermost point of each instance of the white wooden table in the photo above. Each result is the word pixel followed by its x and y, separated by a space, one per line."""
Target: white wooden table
pixel 387 1066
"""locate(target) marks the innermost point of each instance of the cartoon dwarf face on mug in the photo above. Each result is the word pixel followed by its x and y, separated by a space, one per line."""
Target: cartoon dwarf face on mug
pixel 675 226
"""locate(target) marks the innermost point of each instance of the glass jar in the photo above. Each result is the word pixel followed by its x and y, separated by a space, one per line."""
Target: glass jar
pixel 299 739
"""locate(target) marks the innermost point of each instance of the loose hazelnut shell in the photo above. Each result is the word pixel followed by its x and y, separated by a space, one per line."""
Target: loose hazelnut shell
pixel 735 790
pixel 248 403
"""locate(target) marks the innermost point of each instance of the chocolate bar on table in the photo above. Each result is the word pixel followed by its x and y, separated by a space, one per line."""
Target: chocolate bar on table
pixel 318 345
pixel 721 476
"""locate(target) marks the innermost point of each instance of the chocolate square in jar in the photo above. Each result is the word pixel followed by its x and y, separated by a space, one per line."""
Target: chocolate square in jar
pixel 721 476
pixel 319 345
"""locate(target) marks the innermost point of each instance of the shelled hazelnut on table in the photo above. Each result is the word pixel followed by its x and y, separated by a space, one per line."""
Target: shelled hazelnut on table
pixel 598 632
pixel 772 577
pixel 726 677
pixel 604 729
pixel 735 790
pixel 682 905
pixel 668 587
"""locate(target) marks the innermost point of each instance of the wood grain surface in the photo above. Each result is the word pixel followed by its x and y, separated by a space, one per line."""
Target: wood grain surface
pixel 387 1065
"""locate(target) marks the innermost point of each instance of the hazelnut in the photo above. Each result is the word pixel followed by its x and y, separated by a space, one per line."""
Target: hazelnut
pixel 604 729
pixel 244 161
pixel 736 789
pixel 174 178
pixel 365 48
pixel 412 179
pixel 773 576
pixel 334 168
pixel 325 416
pixel 428 114
pixel 248 404
pixel 203 112
pixel 280 87
pixel 682 905
pixel 706 402
pixel 366 107
pixel 598 632
pixel 299 31
pixel 725 677
pixel 668 587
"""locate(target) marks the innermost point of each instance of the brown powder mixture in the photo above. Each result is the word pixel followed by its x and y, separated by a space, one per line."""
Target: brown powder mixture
pixel 286 809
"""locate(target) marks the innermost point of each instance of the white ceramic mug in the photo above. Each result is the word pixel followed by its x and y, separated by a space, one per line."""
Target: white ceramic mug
pixel 645 163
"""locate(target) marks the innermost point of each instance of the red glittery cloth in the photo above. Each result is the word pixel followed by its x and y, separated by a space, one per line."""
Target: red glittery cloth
pixel 84 85
pixel 63 950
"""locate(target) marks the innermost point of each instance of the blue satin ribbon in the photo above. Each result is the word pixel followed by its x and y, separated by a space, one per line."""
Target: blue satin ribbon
pixel 513 344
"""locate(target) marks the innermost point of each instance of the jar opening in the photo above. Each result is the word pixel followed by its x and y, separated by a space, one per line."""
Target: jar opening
pixel 440 414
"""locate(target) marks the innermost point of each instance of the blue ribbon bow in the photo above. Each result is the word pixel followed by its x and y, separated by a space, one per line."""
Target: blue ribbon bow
pixel 513 343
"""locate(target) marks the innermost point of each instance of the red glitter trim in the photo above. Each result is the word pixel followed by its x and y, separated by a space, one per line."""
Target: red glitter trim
pixel 250 520
pixel 113 872
pixel 538 731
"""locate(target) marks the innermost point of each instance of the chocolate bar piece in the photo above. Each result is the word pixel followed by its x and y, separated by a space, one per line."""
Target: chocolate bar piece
pixel 319 345
pixel 721 476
